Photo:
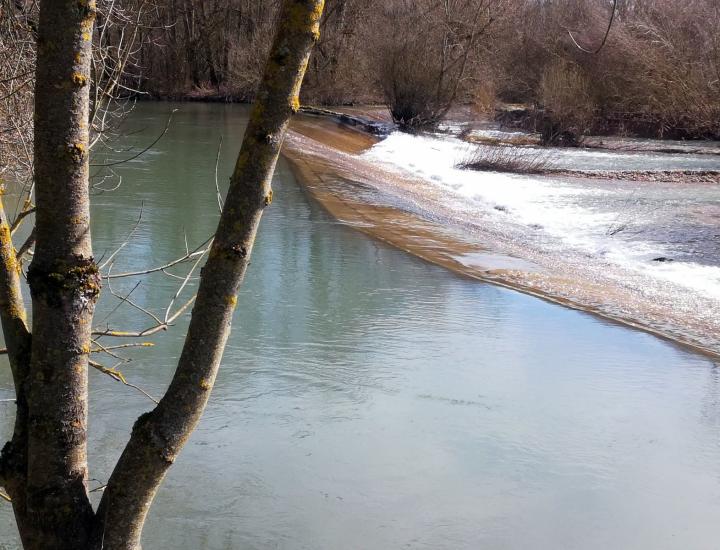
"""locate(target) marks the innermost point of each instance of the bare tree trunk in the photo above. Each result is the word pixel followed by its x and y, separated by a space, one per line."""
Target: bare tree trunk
pixel 64 282
pixel 158 436
pixel 13 463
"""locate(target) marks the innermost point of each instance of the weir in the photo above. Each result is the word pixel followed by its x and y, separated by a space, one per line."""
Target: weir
pixel 427 215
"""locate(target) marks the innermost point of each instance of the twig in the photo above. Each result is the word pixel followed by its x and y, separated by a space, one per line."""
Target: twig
pixel 5 496
pixel 122 346
pixel 148 331
pixel 604 40
pixel 119 377
pixel 126 241
pixel 17 76
pixel 103 349
pixel 194 254
pixel 182 286
pixel 122 301
pixel 27 245
pixel 96 186
pixel 16 90
pixel 20 217
pixel 217 186
pixel 145 150
pixel 127 300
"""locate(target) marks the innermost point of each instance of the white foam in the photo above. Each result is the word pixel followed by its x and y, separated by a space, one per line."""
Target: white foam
pixel 574 216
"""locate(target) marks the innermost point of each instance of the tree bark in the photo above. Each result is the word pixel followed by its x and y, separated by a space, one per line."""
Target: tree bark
pixel 158 436
pixel 13 461
pixel 64 284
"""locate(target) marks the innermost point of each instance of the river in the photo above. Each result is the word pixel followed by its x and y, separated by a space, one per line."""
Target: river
pixel 371 400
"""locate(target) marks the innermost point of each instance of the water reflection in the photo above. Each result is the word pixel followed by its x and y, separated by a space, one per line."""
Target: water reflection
pixel 369 400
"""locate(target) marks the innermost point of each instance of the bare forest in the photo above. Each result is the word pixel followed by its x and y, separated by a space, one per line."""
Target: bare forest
pixel 657 73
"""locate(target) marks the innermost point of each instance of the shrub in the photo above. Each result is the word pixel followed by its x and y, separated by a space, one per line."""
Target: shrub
pixel 425 52
pixel 506 158
pixel 568 104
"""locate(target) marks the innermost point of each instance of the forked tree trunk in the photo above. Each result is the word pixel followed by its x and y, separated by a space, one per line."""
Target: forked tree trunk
pixel 44 467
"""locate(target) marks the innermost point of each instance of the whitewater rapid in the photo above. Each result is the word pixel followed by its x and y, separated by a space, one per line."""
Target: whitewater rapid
pixel 623 223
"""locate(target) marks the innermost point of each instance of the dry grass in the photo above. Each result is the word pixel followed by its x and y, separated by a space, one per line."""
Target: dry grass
pixel 506 158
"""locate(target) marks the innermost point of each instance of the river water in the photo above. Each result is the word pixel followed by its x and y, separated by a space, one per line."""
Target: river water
pixel 369 400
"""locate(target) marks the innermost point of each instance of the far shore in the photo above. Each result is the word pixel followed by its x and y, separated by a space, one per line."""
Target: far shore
pixel 463 113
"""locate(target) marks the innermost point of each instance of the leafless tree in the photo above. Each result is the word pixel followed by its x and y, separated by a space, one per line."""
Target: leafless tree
pixel 425 53
pixel 44 466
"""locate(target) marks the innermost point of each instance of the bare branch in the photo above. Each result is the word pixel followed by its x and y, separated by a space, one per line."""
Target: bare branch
pixel 122 300
pixel 19 219
pixel 159 436
pixel 102 349
pixel 186 258
pixel 182 286
pixel 143 151
pixel 148 331
pixel 116 375
pixel 125 242
pixel 217 185
pixel 604 40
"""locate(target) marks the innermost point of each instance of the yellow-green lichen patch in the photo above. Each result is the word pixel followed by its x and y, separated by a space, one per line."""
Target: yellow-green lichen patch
pixel 79 79
pixel 7 251
pixel 301 18
pixel 4 234
pixel 77 151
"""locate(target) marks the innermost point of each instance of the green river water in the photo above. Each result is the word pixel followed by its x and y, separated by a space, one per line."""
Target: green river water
pixel 368 400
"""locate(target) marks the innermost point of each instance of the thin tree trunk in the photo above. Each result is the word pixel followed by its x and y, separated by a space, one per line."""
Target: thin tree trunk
pixel 13 463
pixel 64 283
pixel 158 436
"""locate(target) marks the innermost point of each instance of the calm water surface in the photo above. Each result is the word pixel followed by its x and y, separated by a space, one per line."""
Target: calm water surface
pixel 368 400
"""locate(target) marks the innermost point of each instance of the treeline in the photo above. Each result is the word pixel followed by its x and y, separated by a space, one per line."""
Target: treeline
pixel 656 72
pixel 216 48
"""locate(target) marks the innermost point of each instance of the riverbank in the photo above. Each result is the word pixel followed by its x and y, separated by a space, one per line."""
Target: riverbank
pixel 423 218
pixel 496 128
